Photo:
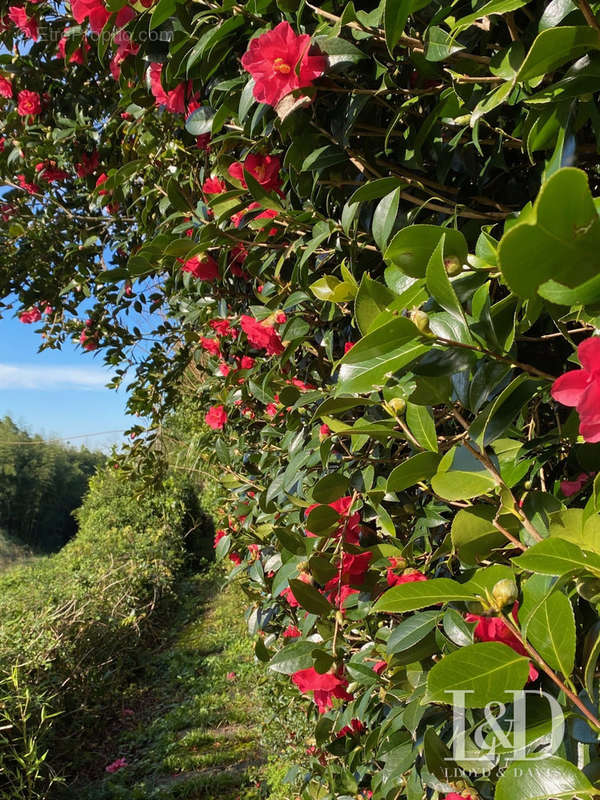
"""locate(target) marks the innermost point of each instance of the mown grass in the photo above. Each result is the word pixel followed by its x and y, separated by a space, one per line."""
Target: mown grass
pixel 193 720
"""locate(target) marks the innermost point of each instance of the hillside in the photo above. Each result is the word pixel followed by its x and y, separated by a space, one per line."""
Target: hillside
pixel 42 482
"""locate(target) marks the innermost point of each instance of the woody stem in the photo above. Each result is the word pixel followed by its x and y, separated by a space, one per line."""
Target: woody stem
pixel 550 673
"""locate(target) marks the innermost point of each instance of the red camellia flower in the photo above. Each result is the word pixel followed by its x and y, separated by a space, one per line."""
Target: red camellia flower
pixel 28 25
pixel 246 362
pixel 88 164
pixel 29 103
pixel 324 687
pixel 235 558
pixel 49 172
pixel 176 99
pixel 218 536
pixel 271 410
pixel 214 186
pixel 88 341
pixel 279 63
pixel 96 12
pixel 222 328
pixel 355 727
pixel 455 796
pixel 580 389
pixel 291 632
pixel 494 629
pixel 348 346
pixel 203 267
pixel 216 418
pixel 262 336
pixel 125 47
pixel 116 765
pixel 33 315
pixel 6 89
pixel 31 188
pixel 569 488
pixel 211 345
pixel 379 667
pixel 324 430
pixel 411 576
pixel 265 169
pixel 100 181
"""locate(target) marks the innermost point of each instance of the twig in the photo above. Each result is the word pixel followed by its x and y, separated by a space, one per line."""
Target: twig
pixel 550 673
pixel 589 15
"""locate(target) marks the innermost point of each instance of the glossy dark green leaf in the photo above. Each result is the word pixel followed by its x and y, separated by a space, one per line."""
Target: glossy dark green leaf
pixel 547 621
pixel 417 468
pixel 420 594
pixel 485 672
pixel 378 355
pixel 538 780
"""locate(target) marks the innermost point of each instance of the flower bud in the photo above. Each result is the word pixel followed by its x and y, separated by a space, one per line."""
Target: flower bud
pixel 397 404
pixel 452 265
pixel 421 320
pixel 504 593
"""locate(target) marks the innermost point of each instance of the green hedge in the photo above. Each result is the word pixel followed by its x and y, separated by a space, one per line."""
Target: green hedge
pixel 73 623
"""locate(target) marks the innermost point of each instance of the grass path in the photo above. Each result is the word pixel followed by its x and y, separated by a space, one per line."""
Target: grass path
pixel 189 727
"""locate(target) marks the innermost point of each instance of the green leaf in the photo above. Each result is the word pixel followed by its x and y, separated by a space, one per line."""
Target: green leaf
pixel 372 298
pixel 411 631
pixel 538 780
pixel 200 121
pixel 487 10
pixel 395 16
pixel 162 11
pixel 493 422
pixel 310 598
pixel 474 536
pixel 322 519
pixel 459 485
pixel 340 52
pixel 573 525
pixel 557 557
pixel 414 469
pixel 554 47
pixel 412 596
pixel 293 657
pixel 332 290
pixel 420 422
pixel 373 190
pixel 548 623
pixel 258 192
pixel 562 229
pixel 378 355
pixel 440 286
pixel 330 488
pixel 487 671
pixel 412 247
pixel 384 218
pixel 439 45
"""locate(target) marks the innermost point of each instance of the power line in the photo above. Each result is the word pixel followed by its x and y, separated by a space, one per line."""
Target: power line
pixel 63 438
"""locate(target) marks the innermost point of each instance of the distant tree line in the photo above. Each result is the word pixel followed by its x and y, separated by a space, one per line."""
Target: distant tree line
pixel 41 483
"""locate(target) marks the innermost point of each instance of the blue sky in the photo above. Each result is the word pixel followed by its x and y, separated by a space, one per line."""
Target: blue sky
pixel 57 393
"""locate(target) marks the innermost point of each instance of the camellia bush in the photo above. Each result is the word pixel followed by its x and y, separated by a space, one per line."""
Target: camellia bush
pixel 362 246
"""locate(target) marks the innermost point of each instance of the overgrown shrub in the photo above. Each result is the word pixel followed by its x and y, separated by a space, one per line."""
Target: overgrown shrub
pixel 75 624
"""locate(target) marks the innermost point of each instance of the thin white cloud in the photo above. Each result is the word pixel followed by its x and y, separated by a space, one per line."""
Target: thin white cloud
pixel 27 377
